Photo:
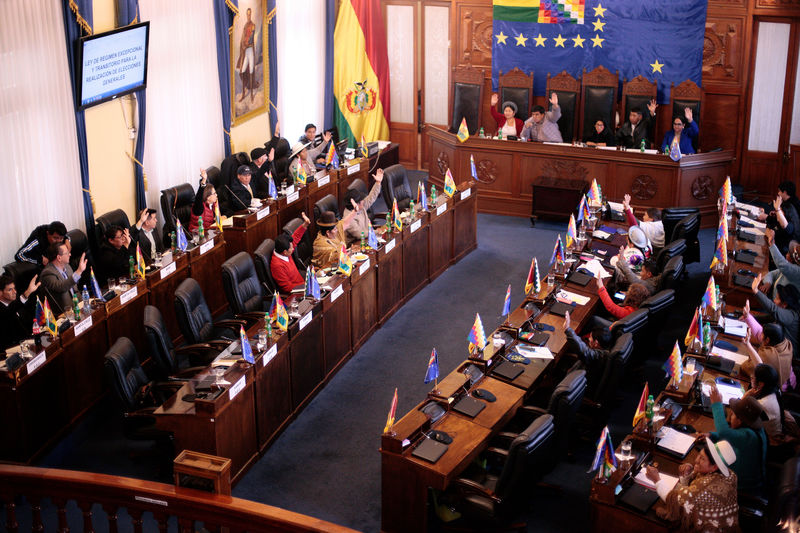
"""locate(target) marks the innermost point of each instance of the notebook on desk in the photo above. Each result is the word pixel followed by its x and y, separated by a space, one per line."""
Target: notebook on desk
pixel 469 406
pixel 561 309
pixel 579 278
pixel 429 450
pixel 639 498
pixel 508 370
pixel 743 257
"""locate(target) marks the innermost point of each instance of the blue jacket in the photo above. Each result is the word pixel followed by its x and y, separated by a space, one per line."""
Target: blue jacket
pixel 689 135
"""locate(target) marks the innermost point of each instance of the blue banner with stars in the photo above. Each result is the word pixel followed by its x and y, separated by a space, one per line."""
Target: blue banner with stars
pixel 661 40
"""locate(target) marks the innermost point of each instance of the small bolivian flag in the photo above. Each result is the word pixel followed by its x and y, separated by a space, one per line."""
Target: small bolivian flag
pixel 463 132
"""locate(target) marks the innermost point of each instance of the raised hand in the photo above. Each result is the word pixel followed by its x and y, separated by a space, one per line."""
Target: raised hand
pixel 746 309
pixel 32 286
pixel 567 322
pixel 378 175
pixel 554 99
pixel 493 100
pixel 651 106
pixel 626 201
pixel 756 283
pixel 82 263
pixel 306 221
pixel 203 177
pixel 687 112
pixel 326 136
pixel 777 202
pixel 271 155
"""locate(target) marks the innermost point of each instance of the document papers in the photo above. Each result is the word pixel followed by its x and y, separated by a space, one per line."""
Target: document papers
pixel 642 479
pixel 571 297
pixel 595 267
pixel 727 354
pixel 675 441
pixel 735 327
pixel 534 352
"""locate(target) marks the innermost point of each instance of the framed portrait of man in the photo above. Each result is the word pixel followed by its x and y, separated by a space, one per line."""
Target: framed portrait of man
pixel 249 76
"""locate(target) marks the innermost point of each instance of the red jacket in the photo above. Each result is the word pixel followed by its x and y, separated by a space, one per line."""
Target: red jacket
pixel 617 311
pixel 285 273
pixel 501 120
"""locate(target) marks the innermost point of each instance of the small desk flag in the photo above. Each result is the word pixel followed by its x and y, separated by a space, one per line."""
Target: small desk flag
pixel 533 283
pixel 396 220
pixel 281 316
pixel 507 302
pixel 422 196
pixel 463 131
pixel 273 191
pixel 50 323
pixel 39 312
pixel 182 244
pixel 217 217
pixel 345 263
pixel 581 207
pixel 392 413
pixel 674 365
pixel 302 177
pixel 604 456
pixel 476 335
pixel 710 296
pixel 720 254
pixel 95 286
pixel 726 192
pixel 472 169
pixel 247 350
pixel 433 367
pixel 642 407
pixel 572 233
pixel 675 152
pixel 594 192
pixel 364 149
pixel 449 184
pixel 372 239
pixel 312 285
pixel 140 266
pixel 558 251
pixel 695 328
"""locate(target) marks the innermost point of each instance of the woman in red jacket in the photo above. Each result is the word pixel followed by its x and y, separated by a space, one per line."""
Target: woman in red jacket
pixel 507 123
pixel 637 293
pixel 204 203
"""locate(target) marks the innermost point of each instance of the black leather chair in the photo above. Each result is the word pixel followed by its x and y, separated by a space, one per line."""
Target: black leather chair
pixel 304 250
pixel 243 158
pixel 80 246
pixel 117 217
pixel 686 94
pixel 601 393
pixel 262 258
pixel 516 86
pixel 326 203
pixel 598 98
pixel 137 395
pixel 395 186
pixel 489 496
pixel 670 216
pixel 634 323
pixel 245 293
pixel 638 92
pixel 22 274
pixel 280 165
pixel 172 362
pixel 672 272
pixel 673 249
pixel 688 228
pixel 467 98
pixel 176 202
pixel 658 305
pixel 567 88
pixel 194 316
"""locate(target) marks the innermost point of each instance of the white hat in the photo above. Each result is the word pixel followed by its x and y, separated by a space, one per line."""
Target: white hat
pixel 723 455
pixel 297 148
pixel 638 237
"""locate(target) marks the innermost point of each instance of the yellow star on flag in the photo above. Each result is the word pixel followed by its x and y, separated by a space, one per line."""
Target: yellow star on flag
pixel 559 40
pixel 521 40
pixel 599 11
pixel 540 40
pixel 598 26
pixel 597 41
pixel 578 41
pixel 657 67
pixel 501 38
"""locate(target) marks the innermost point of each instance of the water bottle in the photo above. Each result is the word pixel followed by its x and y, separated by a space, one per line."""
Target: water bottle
pixel 85 297
pixel 362 242
pixel 481 134
pixel 268 322
pixel 433 191
pixel 131 268
pixel 642 146
pixel 706 336
pixel 499 135
pixel 76 308
pixel 200 231
pixel 411 209
pixel 173 237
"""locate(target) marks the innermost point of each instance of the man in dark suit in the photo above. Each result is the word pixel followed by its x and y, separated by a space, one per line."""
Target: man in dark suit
pixel 143 233
pixel 58 278
pixel 115 252
pixel 241 194
pixel 16 313
pixel 631 133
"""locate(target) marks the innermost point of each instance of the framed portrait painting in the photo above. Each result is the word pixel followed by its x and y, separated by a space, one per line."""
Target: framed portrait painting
pixel 249 73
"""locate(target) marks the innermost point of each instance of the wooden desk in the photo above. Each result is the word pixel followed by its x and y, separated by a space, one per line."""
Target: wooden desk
pixel 273 392
pixel 363 301
pixel 85 345
pixel 336 323
pixel 465 223
pixel 291 206
pixel 306 353
pixel 125 313
pixel 415 254
pixel 205 266
pixel 390 276
pixel 736 294
pixel 162 283
pixel 248 230
pixel 440 243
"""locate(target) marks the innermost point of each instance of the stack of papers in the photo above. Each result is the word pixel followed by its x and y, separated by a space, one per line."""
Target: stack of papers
pixel 595 267
pixel 572 298
pixel 534 352
pixel 727 354
pixel 755 223
pixel 642 479
pixel 734 327
pixel 600 234
pixel 615 206
pixel 753 210
pixel 674 441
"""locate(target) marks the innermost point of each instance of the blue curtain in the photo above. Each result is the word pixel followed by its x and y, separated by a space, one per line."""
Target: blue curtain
pixel 128 13
pixel 224 11
pixel 330 25
pixel 76 24
pixel 273 65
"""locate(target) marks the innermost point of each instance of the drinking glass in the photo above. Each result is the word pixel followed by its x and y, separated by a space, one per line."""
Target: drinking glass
pixel 497 340
pixel 551 278
pixel 690 365
pixel 218 373
pixel 625 449
pixel 112 284
pixel 262 339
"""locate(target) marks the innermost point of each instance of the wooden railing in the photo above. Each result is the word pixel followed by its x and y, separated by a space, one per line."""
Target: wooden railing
pixel 128 500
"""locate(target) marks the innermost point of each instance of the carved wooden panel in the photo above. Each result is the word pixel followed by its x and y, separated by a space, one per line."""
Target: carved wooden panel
pixel 644 187
pixel 474 34
pixel 487 170
pixel 723 55
pixel 784 5
pixel 702 187
pixel 488 165
pixel 533 166
pixel 563 81
pixel 721 123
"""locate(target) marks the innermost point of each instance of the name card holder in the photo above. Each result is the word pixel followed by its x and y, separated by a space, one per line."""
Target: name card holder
pixel 209 245
pixel 338 291
pixel 167 270
pixel 272 352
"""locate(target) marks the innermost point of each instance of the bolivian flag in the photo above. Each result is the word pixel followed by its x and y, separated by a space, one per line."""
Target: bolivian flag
pixel 361 72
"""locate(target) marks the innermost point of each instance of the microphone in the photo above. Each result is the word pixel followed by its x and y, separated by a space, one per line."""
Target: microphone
pixel 55 302
pixel 234 196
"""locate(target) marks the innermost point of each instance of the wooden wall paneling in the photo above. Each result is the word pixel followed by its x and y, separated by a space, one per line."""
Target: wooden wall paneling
pixel 721 123
pixel 760 172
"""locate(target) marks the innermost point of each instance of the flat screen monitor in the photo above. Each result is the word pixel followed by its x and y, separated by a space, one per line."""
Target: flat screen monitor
pixel 112 64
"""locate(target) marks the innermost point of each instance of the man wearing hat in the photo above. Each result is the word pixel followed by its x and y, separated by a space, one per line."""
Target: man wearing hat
pixel 331 237
pixel 705 497
pixel 507 123
pixel 240 194
pixel 541 126
pixel 745 433
pixel 260 165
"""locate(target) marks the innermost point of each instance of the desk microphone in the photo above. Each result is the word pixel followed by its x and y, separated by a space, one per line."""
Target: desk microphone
pixel 234 196
pixel 377 158
pixel 56 304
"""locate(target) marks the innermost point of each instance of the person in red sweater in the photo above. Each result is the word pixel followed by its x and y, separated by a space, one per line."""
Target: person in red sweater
pixel 284 271
pixel 507 123
pixel 637 293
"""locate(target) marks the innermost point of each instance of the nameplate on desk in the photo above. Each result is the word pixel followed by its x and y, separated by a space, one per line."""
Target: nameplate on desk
pixel 323 181
pixel 128 295
pixel 338 291
pixel 389 246
pixel 208 245
pixel 167 270
pixel 269 355
pixel 36 362
pixel 416 225
pixel 441 209
pixel 465 194
pixel 83 325
pixel 289 190
pixel 305 320
pixel 262 213
pixel 363 268
pixel 352 169
pixel 292 197
pixel 237 387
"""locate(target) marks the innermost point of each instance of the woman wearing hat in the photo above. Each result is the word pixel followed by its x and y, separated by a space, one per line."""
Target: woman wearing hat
pixel 746 434
pixel 784 309
pixel 331 237
pixel 300 156
pixel 507 123
pixel 705 497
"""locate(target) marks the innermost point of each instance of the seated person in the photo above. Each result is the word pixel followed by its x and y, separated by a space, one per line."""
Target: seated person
pixel 115 253
pixel 649 276
pixel 283 269
pixel 783 308
pixel 602 135
pixel 764 388
pixel 705 498
pixel 300 157
pixel 507 123
pixel 651 223
pixel 593 353
pixel 241 194
pixel 784 218
pixel 58 279
pixel 543 126
pixel 631 134
pixel 280 158
pixel 361 222
pixel 684 133
pixel 746 435
pixel 316 147
pixel 638 249
pixel 775 350
pixel 260 166
pixel 143 233
pixel 204 204
pixel 16 312
pixel 35 247
pixel 331 237
pixel 787 271
pixel 637 293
